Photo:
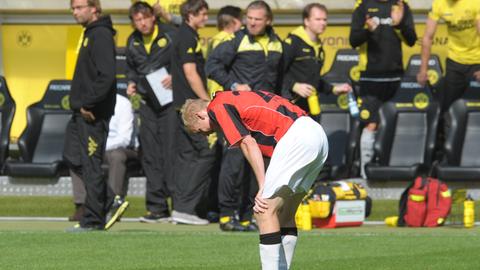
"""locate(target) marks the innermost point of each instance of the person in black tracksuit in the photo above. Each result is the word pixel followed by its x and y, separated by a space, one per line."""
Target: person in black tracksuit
pixel 251 60
pixel 148 49
pixel 378 29
pixel 194 156
pixel 92 100
pixel 303 59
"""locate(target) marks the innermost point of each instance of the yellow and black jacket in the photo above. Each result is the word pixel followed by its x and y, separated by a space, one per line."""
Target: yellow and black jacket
pixel 244 60
pixel 302 60
pixel 381 50
pixel 143 59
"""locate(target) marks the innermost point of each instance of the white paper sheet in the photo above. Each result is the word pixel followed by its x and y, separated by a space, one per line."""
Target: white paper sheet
pixel 163 95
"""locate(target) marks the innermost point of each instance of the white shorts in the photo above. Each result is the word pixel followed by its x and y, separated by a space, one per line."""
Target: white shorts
pixel 298 158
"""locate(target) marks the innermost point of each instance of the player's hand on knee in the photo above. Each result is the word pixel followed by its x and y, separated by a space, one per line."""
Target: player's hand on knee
pixel 261 205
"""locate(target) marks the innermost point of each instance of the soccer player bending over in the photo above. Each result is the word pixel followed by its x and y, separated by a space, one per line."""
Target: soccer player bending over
pixel 261 123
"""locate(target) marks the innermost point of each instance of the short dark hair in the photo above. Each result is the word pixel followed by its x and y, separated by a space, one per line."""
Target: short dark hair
pixel 226 15
pixel 93 3
pixel 261 4
pixel 308 9
pixel 140 7
pixel 192 7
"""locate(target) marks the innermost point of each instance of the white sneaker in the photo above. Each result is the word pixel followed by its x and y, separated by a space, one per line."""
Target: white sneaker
pixel 184 218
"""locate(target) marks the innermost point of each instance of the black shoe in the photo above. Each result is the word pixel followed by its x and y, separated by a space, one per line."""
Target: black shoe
pixel 230 224
pixel 155 218
pixel 249 226
pixel 79 211
pixel 116 211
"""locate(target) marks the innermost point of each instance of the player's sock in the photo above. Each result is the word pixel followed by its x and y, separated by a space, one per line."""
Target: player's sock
pixel 289 241
pixel 270 245
pixel 366 149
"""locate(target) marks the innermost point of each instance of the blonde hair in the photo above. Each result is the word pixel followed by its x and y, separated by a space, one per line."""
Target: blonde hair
pixel 190 109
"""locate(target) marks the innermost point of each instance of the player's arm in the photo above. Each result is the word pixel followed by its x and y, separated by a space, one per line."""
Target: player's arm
pixel 427 40
pixel 252 153
pixel 195 81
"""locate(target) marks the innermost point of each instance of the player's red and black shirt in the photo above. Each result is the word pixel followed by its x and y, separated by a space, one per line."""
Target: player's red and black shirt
pixel 263 115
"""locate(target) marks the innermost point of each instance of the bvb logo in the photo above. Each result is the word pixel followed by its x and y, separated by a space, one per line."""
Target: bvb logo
pixel 2 99
pixel 24 39
pixel 421 101
pixel 342 101
pixel 355 73
pixel 66 102
pixel 432 76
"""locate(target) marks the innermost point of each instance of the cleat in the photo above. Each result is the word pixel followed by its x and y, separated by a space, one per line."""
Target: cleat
pixel 116 211
pixel 230 224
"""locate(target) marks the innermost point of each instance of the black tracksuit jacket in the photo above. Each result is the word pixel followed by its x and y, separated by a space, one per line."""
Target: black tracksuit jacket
pixel 141 63
pixel 302 64
pixel 94 85
pixel 242 60
pixel 381 48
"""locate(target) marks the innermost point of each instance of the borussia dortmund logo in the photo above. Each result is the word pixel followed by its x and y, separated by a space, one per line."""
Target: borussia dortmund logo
pixel 24 39
pixel 342 101
pixel 421 101
pixel 65 103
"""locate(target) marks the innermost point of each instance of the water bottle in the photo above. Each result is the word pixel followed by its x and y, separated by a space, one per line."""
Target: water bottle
pixel 352 105
pixel 468 212
pixel 313 104
pixel 306 217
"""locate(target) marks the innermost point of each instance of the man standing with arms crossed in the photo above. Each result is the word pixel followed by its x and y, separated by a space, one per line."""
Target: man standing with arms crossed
pixel 298 148
pixel 92 99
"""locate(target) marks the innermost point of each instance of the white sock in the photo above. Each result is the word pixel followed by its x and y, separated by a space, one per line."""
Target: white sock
pixel 289 242
pixel 367 140
pixel 270 256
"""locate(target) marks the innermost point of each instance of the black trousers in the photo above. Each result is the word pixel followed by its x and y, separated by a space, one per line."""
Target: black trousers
pixel 193 164
pixel 457 78
pixel 84 152
pixel 374 95
pixel 237 185
pixel 157 131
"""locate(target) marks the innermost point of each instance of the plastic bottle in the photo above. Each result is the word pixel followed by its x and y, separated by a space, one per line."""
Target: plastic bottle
pixel 352 105
pixel 313 104
pixel 306 216
pixel 468 212
pixel 391 221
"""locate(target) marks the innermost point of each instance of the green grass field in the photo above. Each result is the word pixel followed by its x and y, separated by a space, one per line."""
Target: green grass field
pixel 129 245
pixel 132 245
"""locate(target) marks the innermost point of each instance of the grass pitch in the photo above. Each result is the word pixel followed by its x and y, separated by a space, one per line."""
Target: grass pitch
pixel 131 245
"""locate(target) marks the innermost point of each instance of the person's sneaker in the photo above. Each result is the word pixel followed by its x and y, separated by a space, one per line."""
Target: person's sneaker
pixel 78 214
pixel 79 229
pixel 184 218
pixel 151 217
pixel 249 226
pixel 230 224
pixel 116 211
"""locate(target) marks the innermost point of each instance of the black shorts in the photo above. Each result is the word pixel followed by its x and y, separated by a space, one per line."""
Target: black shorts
pixel 372 96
